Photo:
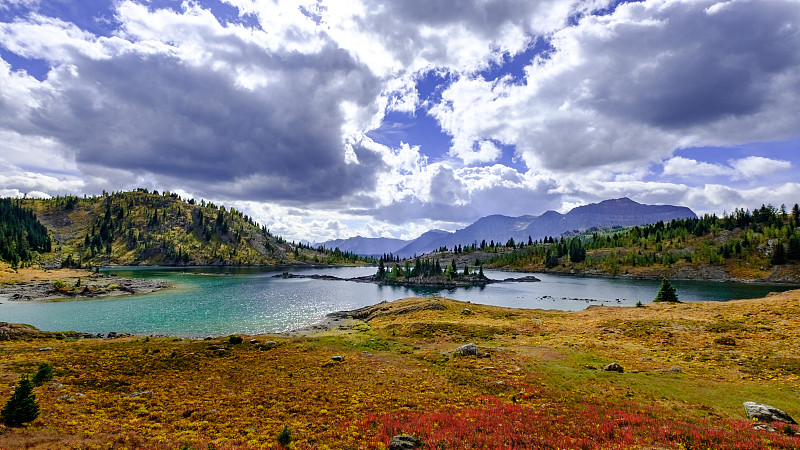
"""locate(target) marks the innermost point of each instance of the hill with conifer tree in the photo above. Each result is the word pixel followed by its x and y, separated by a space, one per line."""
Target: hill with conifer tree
pixel 151 228
pixel 763 244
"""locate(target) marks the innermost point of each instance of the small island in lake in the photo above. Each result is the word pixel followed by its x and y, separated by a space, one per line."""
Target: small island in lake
pixel 424 273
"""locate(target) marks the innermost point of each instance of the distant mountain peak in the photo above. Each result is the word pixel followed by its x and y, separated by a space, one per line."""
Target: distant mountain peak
pixel 498 228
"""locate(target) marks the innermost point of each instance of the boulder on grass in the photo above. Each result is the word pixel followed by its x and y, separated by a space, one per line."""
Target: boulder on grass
pixel 613 367
pixel 467 350
pixel 405 442
pixel 766 413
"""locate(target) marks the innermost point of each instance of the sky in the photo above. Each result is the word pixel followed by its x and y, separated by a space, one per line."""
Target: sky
pixel 330 119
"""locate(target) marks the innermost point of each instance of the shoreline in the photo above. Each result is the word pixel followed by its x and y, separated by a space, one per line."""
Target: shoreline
pixel 630 276
pixel 75 286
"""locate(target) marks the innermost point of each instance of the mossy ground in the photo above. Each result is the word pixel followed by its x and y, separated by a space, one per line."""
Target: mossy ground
pixel 535 383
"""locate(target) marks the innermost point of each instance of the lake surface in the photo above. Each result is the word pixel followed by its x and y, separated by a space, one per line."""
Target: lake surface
pixel 220 301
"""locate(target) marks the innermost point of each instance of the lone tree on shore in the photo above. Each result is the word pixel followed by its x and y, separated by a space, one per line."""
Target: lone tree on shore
pixel 666 293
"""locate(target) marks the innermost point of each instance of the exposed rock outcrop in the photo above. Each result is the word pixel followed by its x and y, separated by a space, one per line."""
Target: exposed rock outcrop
pixel 766 413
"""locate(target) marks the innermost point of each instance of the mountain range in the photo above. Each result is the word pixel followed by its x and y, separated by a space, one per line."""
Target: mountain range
pixel 498 228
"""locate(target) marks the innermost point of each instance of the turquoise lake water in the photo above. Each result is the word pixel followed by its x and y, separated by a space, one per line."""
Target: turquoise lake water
pixel 218 301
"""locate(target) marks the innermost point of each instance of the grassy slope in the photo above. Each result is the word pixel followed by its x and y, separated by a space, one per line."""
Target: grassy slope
pixel 177 233
pixel 534 386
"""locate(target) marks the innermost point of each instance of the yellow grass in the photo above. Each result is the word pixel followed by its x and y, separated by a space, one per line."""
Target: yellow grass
pixel 36 273
pixel 215 394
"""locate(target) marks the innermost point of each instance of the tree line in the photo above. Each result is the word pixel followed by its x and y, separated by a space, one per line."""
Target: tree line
pixel 21 234
pixel 742 235
pixel 425 268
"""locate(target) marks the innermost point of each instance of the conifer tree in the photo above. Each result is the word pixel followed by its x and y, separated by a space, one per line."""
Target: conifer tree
pixel 778 254
pixel 666 293
pixel 22 407
pixel 794 248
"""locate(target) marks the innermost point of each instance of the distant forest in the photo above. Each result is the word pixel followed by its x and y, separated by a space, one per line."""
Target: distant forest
pixel 21 234
pixel 742 235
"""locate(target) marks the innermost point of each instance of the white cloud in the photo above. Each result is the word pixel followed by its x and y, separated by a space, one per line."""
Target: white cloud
pixel 758 166
pixel 276 114
pixel 686 167
pixel 625 90
pixel 31 182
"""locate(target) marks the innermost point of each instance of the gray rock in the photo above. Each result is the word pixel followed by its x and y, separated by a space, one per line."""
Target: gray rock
pixel 613 367
pixel 675 369
pixel 254 341
pixel 338 358
pixel 466 311
pixel 147 393
pixel 405 442
pixel 645 359
pixel 467 350
pixel 67 398
pixel 766 413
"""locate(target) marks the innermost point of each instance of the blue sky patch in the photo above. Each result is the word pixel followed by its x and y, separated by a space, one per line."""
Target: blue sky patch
pixel 515 65
pixel 37 68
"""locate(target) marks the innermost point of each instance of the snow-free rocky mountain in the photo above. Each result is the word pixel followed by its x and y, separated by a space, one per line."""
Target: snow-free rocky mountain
pixel 618 212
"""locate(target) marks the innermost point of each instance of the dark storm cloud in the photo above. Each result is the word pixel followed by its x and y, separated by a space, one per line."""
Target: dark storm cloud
pixel 698 66
pixel 154 113
pixel 624 90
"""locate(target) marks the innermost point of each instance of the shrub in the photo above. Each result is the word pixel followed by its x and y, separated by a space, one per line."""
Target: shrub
pixel 59 284
pixel 22 407
pixel 43 374
pixel 285 436
pixel 235 339
pixel 725 341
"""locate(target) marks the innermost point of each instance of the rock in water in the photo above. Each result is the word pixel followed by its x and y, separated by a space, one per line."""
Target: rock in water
pixel 467 350
pixel 613 367
pixel 766 413
pixel 405 442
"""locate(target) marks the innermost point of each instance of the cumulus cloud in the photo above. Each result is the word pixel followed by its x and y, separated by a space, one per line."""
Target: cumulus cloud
pixel 758 166
pixel 747 168
pixel 274 108
pixel 686 167
pixel 627 88
pixel 186 98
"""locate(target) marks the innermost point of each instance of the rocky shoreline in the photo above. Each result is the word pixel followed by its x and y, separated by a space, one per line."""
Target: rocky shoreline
pixel 92 286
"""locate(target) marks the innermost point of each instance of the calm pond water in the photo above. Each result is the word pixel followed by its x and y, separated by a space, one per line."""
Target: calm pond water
pixel 220 301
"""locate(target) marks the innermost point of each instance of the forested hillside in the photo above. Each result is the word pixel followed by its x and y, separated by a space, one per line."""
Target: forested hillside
pixel 151 228
pixel 762 244
pixel 21 234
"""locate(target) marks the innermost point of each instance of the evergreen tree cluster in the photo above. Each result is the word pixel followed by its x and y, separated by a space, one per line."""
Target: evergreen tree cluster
pixel 426 268
pixel 328 256
pixel 660 243
pixel 21 233
pixel 160 228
